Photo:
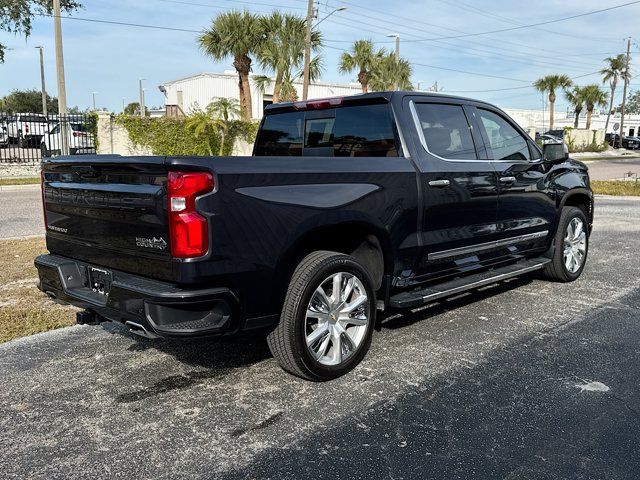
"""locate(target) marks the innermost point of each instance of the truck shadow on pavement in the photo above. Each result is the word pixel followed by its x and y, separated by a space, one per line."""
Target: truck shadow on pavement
pixel 527 411
pixel 215 358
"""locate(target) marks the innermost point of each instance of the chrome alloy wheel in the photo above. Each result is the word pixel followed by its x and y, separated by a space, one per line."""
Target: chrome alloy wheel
pixel 337 318
pixel 575 245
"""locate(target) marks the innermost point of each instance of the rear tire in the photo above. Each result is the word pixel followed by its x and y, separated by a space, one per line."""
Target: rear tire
pixel 571 246
pixel 327 318
pixel 45 152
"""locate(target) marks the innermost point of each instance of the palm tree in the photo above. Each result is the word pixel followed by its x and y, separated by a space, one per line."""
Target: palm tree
pixel 550 84
pixel 205 127
pixel 224 110
pixel 390 73
pixel 575 98
pixel 282 49
pixel 287 90
pixel 363 58
pixel 615 70
pixel 593 95
pixel 236 34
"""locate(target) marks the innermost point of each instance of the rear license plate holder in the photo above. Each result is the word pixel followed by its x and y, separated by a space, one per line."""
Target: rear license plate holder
pixel 100 280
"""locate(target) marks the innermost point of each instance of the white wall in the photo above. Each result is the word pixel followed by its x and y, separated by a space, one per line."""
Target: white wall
pixel 200 90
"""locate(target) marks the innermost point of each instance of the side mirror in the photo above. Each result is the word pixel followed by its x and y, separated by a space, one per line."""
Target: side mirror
pixel 555 152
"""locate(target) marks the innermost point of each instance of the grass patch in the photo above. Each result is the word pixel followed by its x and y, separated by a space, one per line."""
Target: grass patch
pixel 25 310
pixel 616 187
pixel 19 181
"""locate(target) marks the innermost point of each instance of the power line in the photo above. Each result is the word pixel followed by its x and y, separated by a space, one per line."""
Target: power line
pixel 520 27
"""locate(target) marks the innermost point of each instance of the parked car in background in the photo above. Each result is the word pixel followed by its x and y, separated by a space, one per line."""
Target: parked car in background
pixel 556 132
pixel 27 129
pixel 347 206
pixel 80 140
pixel 545 139
pixel 628 142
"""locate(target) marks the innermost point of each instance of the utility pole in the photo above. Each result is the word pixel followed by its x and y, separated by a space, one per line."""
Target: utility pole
pixel 141 98
pixel 93 94
pixel 397 37
pixel 624 90
pixel 307 51
pixel 62 91
pixel 44 88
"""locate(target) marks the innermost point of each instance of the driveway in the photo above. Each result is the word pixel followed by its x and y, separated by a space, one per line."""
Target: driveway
pixel 21 211
pixel 613 169
pixel 527 379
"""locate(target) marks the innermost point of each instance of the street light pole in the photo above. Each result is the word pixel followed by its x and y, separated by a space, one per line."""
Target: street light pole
pixel 62 91
pixel 42 83
pixel 397 37
pixel 93 94
pixel 306 73
pixel 307 51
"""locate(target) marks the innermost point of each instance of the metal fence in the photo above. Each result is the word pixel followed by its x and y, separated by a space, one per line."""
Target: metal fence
pixel 26 138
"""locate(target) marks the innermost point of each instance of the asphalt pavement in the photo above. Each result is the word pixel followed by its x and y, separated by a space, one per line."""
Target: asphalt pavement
pixel 528 379
pixel 20 211
pixel 614 169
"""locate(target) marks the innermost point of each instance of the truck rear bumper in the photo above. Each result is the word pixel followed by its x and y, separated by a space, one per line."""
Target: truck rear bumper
pixel 143 304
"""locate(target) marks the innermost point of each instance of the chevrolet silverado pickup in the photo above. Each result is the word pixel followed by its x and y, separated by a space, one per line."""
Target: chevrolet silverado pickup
pixel 348 206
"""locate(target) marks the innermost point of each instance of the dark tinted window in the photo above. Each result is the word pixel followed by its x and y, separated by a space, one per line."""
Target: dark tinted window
pixel 358 131
pixel 33 118
pixel 281 135
pixel 505 141
pixel 78 127
pixel 446 130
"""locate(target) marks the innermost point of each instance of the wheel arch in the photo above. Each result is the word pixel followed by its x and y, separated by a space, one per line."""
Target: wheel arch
pixel 581 198
pixel 371 246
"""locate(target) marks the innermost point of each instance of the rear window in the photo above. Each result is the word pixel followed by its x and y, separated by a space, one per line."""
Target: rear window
pixel 78 127
pixel 33 118
pixel 357 131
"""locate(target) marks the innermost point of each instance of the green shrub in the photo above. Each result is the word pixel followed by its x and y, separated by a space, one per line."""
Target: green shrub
pixel 172 136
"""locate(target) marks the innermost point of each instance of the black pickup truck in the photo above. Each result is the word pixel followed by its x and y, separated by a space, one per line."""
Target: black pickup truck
pixel 347 206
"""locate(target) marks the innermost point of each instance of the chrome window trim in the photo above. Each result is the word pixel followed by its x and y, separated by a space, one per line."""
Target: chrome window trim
pixel 423 142
pixel 481 247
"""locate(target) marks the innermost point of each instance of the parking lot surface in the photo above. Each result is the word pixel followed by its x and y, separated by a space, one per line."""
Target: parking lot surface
pixel 21 211
pixel 528 379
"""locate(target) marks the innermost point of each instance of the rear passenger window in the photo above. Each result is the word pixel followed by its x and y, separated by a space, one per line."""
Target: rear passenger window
pixel 505 141
pixel 364 131
pixel 446 131
pixel 358 131
pixel 281 135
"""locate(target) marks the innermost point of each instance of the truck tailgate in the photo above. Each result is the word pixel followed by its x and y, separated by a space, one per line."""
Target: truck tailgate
pixel 110 211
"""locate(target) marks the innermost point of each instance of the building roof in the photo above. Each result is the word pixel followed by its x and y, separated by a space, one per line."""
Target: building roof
pixel 234 75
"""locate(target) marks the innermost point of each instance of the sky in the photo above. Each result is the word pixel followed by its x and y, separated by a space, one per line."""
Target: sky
pixel 498 67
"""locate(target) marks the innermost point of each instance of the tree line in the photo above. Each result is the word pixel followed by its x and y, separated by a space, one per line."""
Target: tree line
pixel 276 42
pixel 588 96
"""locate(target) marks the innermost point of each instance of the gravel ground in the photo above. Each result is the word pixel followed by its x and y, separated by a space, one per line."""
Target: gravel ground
pixel 528 379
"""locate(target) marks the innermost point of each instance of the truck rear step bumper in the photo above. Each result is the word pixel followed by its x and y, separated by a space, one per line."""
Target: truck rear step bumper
pixel 157 307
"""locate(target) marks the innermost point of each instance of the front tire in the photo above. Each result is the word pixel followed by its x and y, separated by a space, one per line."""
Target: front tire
pixel 571 246
pixel 327 319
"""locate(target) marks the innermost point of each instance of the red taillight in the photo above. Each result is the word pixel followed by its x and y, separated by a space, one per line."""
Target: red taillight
pixel 318 104
pixel 26 128
pixel 76 134
pixel 189 231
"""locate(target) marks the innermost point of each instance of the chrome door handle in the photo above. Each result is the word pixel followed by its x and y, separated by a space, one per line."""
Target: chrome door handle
pixel 507 179
pixel 439 183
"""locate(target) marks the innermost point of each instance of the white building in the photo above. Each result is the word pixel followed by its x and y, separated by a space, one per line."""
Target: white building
pixel 184 95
